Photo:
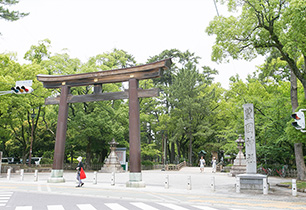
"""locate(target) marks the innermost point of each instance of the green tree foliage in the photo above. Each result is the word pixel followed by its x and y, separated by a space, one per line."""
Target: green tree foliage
pixel 10 15
pixel 16 110
pixel 38 53
pixel 192 113
pixel 261 27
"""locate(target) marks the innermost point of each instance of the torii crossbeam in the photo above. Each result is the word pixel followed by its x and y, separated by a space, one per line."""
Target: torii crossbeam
pixel 132 75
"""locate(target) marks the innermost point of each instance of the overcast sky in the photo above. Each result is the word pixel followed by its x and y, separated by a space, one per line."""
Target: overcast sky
pixel 143 28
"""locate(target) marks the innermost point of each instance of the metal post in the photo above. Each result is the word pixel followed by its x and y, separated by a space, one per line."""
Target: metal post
pixel 8 174
pixel 163 151
pixel 237 184
pixel 265 186
pixel 167 182
pixel 21 174
pixel 212 185
pixel 95 178
pixel 36 176
pixel 32 136
pixel 113 179
pixel 294 189
pixel 189 183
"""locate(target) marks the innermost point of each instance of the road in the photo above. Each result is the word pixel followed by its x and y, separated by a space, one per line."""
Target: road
pixel 41 201
pixel 27 194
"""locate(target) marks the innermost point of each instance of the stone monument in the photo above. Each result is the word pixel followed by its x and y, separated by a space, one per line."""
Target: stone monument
pixel 250 180
pixel 112 164
pixel 239 166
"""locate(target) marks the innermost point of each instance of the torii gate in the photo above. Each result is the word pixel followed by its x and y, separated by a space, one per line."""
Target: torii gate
pixel 132 75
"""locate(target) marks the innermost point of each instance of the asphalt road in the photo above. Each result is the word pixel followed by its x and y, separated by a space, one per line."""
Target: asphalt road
pixel 43 195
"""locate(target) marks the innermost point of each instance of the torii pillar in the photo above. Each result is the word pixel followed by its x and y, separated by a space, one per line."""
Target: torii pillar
pixel 59 149
pixel 134 136
pixel 132 75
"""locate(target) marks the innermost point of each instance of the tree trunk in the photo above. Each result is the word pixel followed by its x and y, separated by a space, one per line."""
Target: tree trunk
pixel 172 155
pixel 293 93
pixel 178 149
pixel 299 159
pixel 88 155
pixel 190 149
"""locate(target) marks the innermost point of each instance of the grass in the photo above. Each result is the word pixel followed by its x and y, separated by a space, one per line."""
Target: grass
pixel 299 184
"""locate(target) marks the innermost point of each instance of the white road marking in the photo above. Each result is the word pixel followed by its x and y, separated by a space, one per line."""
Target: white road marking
pixel 86 207
pixel 143 206
pixel 55 207
pixel 115 206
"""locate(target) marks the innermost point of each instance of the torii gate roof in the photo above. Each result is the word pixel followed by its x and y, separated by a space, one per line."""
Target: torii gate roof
pixel 147 71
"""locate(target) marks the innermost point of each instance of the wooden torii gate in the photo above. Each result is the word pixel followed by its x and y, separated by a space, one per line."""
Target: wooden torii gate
pixel 132 75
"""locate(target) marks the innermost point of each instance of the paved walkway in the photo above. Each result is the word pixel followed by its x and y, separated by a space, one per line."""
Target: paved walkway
pixel 201 191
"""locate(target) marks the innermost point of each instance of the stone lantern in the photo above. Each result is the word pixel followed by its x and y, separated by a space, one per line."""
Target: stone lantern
pixel 239 166
pixel 112 164
pixel 240 145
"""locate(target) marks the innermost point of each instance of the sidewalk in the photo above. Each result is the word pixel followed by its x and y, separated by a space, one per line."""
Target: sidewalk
pixel 201 190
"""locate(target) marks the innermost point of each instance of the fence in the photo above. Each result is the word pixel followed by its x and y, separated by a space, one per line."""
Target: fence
pixel 292 173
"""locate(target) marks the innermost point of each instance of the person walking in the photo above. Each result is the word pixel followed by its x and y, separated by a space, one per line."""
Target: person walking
pixel 202 164
pixel 214 165
pixel 79 168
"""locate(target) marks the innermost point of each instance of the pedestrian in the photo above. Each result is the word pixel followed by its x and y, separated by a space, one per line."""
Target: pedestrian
pixel 202 164
pixel 79 168
pixel 214 165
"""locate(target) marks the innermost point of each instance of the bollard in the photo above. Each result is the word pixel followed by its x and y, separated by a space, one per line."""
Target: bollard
pixel 95 178
pixel 36 176
pixel 167 182
pixel 237 184
pixel 8 174
pixel 21 174
pixel 212 184
pixel 265 186
pixel 189 183
pixel 294 189
pixel 113 179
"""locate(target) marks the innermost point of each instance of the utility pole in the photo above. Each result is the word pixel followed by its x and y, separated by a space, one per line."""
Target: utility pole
pixel 32 136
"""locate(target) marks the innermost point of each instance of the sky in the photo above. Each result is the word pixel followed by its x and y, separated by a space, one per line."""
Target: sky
pixel 142 28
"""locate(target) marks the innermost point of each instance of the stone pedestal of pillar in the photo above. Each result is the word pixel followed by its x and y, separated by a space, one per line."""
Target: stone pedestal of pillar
pixel 56 176
pixel 135 180
pixel 252 181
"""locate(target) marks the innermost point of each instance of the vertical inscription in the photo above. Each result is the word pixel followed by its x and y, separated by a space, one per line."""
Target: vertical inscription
pixel 250 144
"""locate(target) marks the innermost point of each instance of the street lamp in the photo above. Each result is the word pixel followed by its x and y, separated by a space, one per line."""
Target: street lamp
pixel 32 136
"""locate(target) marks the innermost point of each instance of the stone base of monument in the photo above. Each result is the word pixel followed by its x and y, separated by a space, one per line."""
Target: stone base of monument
pixel 56 176
pixel 252 181
pixel 112 167
pixel 135 181
pixel 236 170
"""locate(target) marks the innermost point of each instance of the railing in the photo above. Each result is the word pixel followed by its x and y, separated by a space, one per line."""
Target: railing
pixel 173 167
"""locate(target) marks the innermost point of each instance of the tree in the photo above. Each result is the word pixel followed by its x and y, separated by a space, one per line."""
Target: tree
pixel 38 53
pixel 6 14
pixel 262 27
pixel 16 110
pixel 179 61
